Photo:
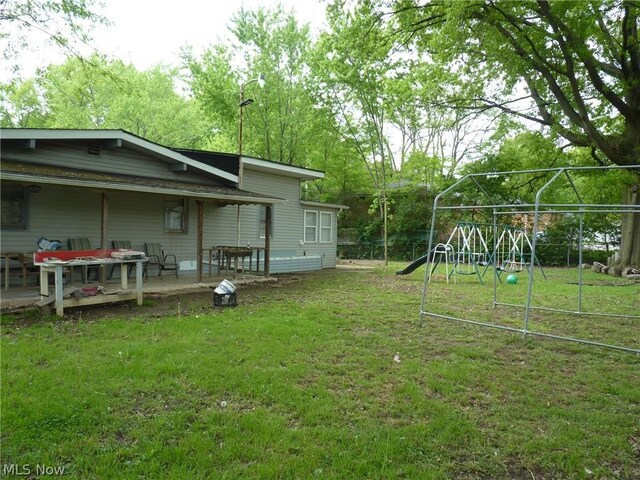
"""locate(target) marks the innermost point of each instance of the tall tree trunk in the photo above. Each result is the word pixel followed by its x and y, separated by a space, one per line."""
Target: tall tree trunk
pixel 630 242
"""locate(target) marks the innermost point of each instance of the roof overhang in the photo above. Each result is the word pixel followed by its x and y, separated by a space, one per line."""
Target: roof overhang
pixel 117 138
pixel 324 205
pixel 281 169
pixel 24 173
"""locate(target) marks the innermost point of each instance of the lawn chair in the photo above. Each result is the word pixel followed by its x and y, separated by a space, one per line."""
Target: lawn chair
pixel 156 255
pixel 121 245
pixel 83 244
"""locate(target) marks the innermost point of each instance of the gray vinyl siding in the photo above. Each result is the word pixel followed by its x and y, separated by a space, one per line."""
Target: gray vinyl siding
pixel 326 250
pixel 121 160
pixel 57 213
pixel 294 264
pixel 60 213
pixel 288 218
pixel 63 212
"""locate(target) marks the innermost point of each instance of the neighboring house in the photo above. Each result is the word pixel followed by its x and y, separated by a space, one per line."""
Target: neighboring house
pixel 110 185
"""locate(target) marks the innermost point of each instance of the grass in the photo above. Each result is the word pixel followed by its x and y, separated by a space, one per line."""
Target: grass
pixel 301 382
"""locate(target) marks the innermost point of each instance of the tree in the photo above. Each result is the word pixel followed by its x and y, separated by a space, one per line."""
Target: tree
pixel 106 94
pixel 21 105
pixel 65 24
pixel 571 67
pixel 276 46
pixel 352 66
pixel 286 123
pixel 424 123
pixel 214 85
pixel 280 125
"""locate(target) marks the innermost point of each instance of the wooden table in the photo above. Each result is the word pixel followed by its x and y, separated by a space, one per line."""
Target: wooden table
pixel 61 302
pixel 226 254
pixel 23 258
pixel 55 262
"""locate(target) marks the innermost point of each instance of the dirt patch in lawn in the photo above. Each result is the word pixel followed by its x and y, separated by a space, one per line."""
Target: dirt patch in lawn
pixel 158 305
pixel 200 300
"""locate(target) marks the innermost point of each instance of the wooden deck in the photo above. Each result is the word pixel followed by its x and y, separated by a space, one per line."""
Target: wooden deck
pixel 17 297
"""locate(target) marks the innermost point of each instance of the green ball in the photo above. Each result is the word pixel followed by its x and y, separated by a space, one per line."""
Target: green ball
pixel 512 279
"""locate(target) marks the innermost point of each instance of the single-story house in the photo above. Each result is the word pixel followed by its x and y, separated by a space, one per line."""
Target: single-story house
pixel 111 185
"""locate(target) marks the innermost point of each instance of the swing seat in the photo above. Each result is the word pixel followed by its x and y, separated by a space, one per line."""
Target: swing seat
pixel 465 273
pixel 510 267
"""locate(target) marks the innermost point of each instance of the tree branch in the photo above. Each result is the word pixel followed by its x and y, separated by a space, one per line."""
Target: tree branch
pixel 630 38
pixel 612 45
pixel 594 155
pixel 566 36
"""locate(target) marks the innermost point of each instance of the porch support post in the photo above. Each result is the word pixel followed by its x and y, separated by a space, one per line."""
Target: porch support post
pixel 104 234
pixel 200 234
pixel 238 227
pixel 267 239
pixel 104 222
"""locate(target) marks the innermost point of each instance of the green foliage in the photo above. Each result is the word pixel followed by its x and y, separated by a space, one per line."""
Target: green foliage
pixel 21 105
pixel 280 125
pixel 527 151
pixel 421 170
pixel 106 94
pixel 213 84
pixel 576 62
pixel 66 24
pixel 351 70
pixel 285 123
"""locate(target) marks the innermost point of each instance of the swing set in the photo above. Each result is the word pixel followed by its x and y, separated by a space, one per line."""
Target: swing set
pixel 467 250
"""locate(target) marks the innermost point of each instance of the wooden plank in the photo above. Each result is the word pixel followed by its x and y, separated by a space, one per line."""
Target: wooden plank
pixel 68 291
pixel 67 255
pixel 46 301
pixel 100 299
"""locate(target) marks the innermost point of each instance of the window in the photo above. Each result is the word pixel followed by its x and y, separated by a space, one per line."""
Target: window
pixel 15 207
pixel 175 215
pixel 318 227
pixel 263 222
pixel 326 221
pixel 310 226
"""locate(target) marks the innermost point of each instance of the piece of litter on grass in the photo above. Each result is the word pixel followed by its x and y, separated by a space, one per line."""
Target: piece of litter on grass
pixel 396 358
pixel 223 404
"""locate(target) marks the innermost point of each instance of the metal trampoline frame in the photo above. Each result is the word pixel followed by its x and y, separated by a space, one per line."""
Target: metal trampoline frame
pixel 536 209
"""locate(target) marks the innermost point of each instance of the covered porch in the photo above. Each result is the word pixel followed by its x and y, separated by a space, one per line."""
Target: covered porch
pixel 120 207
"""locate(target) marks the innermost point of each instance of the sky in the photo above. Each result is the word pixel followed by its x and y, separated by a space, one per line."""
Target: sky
pixel 149 32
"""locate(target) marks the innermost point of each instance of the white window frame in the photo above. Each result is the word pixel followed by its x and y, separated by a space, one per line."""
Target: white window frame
pixel 323 229
pixel 309 226
pixel 171 213
pixel 262 222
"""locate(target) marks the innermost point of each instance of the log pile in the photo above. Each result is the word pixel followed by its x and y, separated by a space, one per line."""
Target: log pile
pixel 616 271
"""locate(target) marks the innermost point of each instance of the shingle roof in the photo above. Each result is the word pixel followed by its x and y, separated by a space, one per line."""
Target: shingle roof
pixel 12 170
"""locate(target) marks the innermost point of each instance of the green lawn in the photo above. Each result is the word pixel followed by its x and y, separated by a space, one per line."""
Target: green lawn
pixel 300 381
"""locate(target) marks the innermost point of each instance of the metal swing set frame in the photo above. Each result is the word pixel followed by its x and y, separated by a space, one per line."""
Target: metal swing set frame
pixel 537 208
pixel 467 250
